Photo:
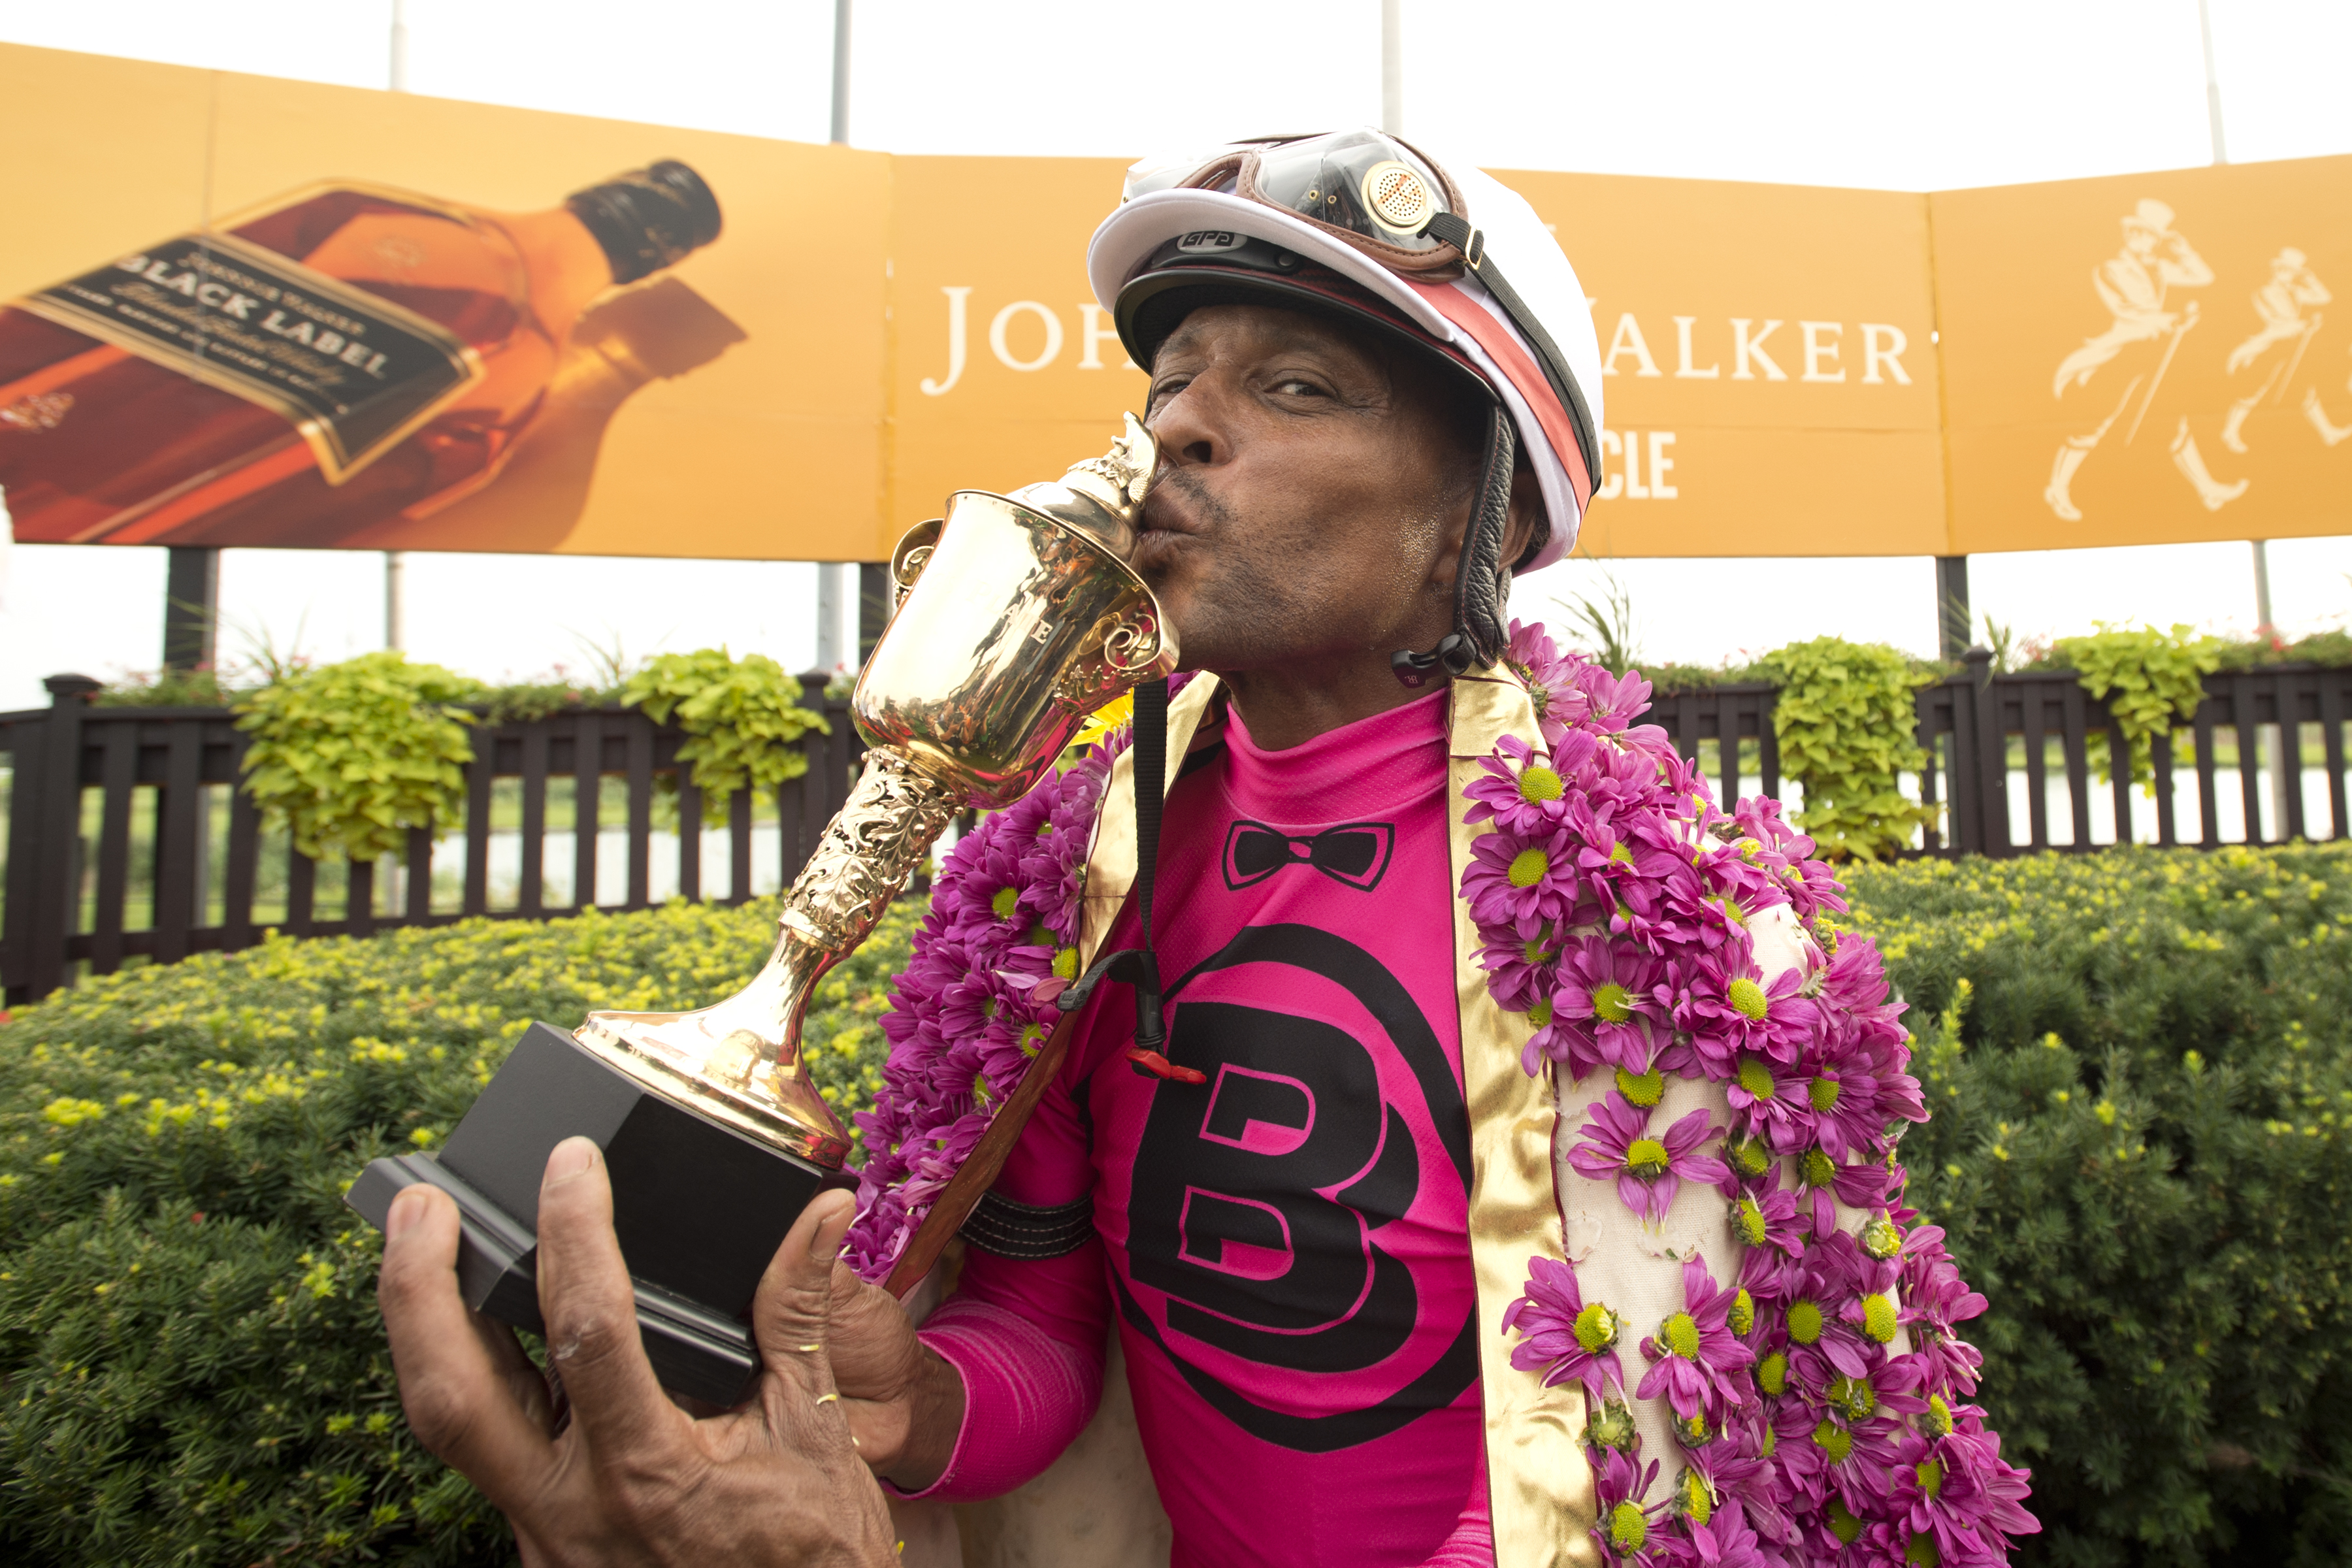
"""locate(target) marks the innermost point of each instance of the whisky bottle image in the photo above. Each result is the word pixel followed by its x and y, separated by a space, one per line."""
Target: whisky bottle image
pixel 337 358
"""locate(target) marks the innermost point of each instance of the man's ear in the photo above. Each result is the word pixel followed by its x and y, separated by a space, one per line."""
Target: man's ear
pixel 1527 513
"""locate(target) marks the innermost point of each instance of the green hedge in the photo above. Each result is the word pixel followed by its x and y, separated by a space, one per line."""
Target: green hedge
pixel 193 1368
pixel 2140 1065
pixel 2142 1096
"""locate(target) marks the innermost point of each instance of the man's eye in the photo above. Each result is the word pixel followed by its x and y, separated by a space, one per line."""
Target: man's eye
pixel 1292 387
pixel 1169 388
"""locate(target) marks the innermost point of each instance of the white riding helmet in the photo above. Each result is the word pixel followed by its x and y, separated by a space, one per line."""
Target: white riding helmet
pixel 1453 260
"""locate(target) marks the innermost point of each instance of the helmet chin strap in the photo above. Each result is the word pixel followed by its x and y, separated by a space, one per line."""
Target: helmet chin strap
pixel 1479 636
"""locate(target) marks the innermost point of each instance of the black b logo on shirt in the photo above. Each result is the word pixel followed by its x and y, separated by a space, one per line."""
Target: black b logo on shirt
pixel 1257 1197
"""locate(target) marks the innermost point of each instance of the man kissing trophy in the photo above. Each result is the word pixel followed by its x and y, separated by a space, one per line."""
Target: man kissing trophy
pixel 1017 617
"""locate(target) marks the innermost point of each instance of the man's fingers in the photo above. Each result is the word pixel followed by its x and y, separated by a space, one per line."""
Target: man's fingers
pixel 454 1389
pixel 590 1309
pixel 794 1309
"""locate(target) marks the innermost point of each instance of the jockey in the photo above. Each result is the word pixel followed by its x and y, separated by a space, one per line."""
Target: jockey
pixel 1321 1206
pixel 1480 1144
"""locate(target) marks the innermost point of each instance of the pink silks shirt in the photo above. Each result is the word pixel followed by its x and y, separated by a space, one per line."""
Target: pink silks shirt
pixel 1283 1247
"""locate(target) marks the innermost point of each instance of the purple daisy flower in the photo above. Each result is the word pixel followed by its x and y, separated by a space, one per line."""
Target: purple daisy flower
pixel 1625 1530
pixel 1753 1016
pixel 1563 1334
pixel 1765 1215
pixel 1615 1143
pixel 1958 1483
pixel 1698 1364
pixel 1605 994
pixel 1766 1104
pixel 1520 969
pixel 1520 884
pixel 1521 792
pixel 1550 679
pixel 1721 1540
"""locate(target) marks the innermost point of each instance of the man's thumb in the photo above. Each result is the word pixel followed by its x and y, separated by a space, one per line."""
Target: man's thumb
pixel 794 1308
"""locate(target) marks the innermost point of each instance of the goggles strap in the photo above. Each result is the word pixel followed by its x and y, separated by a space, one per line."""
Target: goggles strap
pixel 1456 231
pixel 1481 569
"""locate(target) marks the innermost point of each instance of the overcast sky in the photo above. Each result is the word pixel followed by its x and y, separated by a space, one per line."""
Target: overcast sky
pixel 1896 94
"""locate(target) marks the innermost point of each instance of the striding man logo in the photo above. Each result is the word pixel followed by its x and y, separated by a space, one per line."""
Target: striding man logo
pixel 2267 364
pixel 2132 359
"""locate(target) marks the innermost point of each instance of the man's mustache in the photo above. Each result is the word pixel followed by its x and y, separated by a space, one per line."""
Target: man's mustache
pixel 1181 501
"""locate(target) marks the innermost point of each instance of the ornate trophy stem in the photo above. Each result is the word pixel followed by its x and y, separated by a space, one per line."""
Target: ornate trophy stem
pixel 739 1061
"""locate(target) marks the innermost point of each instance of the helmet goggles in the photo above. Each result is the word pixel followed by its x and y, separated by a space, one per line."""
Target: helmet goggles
pixel 1375 193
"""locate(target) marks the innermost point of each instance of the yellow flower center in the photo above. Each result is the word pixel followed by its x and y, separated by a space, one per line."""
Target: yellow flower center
pixel 1756 1077
pixel 1538 784
pixel 1772 1374
pixel 1066 963
pixel 1527 868
pixel 1823 1093
pixel 1749 1156
pixel 1742 1316
pixel 1540 1014
pixel 1937 1422
pixel 1750 1221
pixel 1679 1333
pixel 1747 999
pixel 1878 1318
pixel 1596 1328
pixel 1931 1478
pixel 1627 1528
pixel 1805 1323
pixel 1612 1428
pixel 1647 1158
pixel 1842 1523
pixel 1691 1491
pixel 1005 901
pixel 1881 1238
pixel 1644 1090
pixel 1834 1440
pixel 1856 1394
pixel 1612 1002
pixel 1818 1169
pixel 1922 1553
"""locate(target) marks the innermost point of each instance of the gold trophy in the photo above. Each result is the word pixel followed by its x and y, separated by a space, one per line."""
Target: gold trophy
pixel 1017 615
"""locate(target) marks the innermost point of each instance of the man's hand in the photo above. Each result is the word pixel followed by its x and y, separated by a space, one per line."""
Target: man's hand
pixel 905 1404
pixel 632 1479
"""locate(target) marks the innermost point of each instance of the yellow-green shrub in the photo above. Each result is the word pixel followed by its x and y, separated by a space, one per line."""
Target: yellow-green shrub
pixel 194 1365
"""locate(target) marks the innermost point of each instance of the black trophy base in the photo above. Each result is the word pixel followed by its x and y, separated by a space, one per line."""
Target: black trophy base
pixel 699 1208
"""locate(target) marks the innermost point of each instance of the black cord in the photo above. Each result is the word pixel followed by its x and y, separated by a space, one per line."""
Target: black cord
pixel 1150 789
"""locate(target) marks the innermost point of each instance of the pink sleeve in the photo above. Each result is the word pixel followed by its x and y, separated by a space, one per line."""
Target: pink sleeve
pixel 1026 1336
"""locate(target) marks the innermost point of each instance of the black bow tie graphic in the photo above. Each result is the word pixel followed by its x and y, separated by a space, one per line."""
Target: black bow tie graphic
pixel 1355 852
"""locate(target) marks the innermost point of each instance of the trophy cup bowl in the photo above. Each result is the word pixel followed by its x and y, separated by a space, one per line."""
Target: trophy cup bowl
pixel 1016 616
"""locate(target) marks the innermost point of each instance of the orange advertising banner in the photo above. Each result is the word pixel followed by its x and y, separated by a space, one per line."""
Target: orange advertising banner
pixel 263 312
pixel 2148 359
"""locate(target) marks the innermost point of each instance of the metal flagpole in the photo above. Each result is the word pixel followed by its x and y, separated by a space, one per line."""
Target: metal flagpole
pixel 836 581
pixel 2274 744
pixel 394 629
pixel 1392 66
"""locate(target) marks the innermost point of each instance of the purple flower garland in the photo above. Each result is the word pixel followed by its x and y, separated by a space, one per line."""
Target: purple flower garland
pixel 1614 904
pixel 975 1003
pixel 1614 901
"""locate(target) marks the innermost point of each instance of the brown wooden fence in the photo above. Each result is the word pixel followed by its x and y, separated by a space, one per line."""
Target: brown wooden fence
pixel 128 840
